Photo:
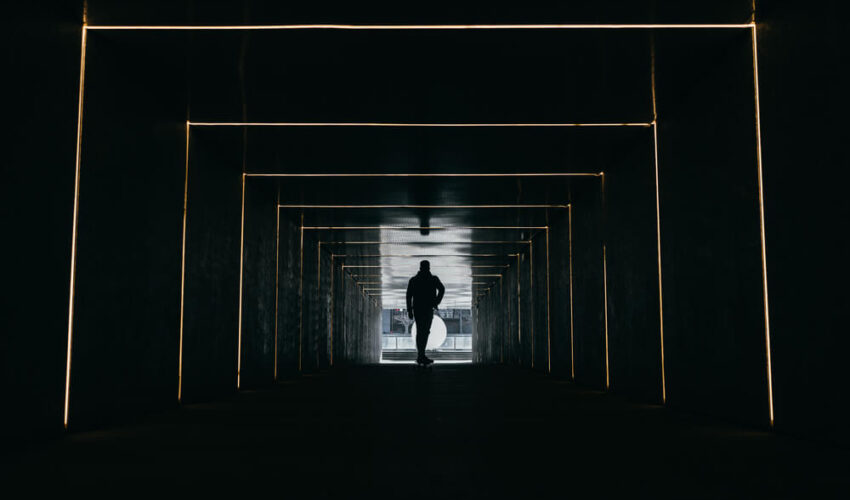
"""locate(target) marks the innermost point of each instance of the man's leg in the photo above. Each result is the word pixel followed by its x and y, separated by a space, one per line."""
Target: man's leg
pixel 423 330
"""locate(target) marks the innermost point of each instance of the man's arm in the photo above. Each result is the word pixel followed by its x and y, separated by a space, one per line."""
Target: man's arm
pixel 410 298
pixel 441 290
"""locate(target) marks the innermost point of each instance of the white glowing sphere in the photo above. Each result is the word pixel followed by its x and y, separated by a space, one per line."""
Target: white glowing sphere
pixel 437 336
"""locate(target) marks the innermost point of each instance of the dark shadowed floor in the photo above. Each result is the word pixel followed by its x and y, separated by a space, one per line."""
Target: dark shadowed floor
pixel 455 431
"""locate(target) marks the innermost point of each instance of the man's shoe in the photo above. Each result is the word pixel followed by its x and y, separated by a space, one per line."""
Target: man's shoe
pixel 427 361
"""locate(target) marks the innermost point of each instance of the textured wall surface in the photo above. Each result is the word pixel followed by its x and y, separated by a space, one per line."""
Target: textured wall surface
pixel 804 107
pixel 629 222
pixel 258 304
pixel 36 211
pixel 288 300
pixel 132 173
pixel 211 315
pixel 713 307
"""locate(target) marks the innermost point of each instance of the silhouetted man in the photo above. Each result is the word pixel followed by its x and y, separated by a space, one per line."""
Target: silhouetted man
pixel 424 293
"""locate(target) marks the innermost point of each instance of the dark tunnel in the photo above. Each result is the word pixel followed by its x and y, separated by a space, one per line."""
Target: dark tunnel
pixel 211 209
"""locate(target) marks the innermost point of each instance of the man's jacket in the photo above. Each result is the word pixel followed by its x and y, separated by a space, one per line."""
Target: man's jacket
pixel 424 291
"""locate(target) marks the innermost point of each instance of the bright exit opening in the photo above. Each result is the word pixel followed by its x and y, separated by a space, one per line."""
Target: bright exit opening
pixel 450 340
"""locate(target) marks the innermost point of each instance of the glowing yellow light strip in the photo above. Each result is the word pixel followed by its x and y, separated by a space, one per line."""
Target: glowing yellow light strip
pixel 531 295
pixel 489 174
pixel 412 228
pixel 183 274
pixel 475 242
pixel 548 314
pixel 241 270
pixel 417 125
pixel 761 226
pixel 605 300
pixel 276 280
pixel 658 227
pixel 572 335
pixel 375 255
pixel 74 228
pixel 421 206
pixel 519 309
pixel 412 266
pixel 301 295
pixel 333 271
pixel 558 26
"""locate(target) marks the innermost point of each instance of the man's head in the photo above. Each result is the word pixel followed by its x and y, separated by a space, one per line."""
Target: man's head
pixel 425 266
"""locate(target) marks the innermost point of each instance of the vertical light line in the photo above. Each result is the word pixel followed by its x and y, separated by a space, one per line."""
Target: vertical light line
pixel 183 271
pixel 333 271
pixel 502 336
pixel 605 299
pixel 660 287
pixel 318 288
pixel 241 269
pixel 301 295
pixel 519 308
pixel 761 226
pixel 73 281
pixel 531 294
pixel 276 277
pixel 572 335
pixel 548 313
pixel 658 222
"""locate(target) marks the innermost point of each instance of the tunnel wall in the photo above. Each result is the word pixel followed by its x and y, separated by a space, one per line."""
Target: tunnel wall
pixel 588 288
pixel 560 289
pixel 495 323
pixel 288 301
pixel 710 245
pixel 258 304
pixel 360 324
pixel 629 224
pixel 213 231
pixel 127 294
pixel 803 113
pixel 42 64
pixel 539 287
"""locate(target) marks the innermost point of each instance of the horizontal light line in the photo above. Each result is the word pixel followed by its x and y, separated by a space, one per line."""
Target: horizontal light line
pixel 424 206
pixel 416 266
pixel 418 125
pixel 489 174
pixel 385 228
pixel 376 255
pixel 418 26
pixel 421 242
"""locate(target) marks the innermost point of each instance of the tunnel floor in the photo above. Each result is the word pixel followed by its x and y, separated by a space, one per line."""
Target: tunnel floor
pixel 455 431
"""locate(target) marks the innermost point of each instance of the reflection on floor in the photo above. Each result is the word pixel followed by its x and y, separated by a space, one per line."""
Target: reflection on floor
pixel 455 431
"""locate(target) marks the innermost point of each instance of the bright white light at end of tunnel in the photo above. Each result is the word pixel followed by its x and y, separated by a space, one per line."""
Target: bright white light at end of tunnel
pixel 437 336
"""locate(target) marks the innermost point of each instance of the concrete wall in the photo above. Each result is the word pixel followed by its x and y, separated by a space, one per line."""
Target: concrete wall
pixel 258 313
pixel 42 64
pixel 559 289
pixel 213 225
pixel 804 106
pixel 629 223
pixel 127 296
pixel 710 246
pixel 588 288
pixel 289 301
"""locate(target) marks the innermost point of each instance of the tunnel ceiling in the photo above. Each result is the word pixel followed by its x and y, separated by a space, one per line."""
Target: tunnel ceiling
pixel 287 79
pixel 469 228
